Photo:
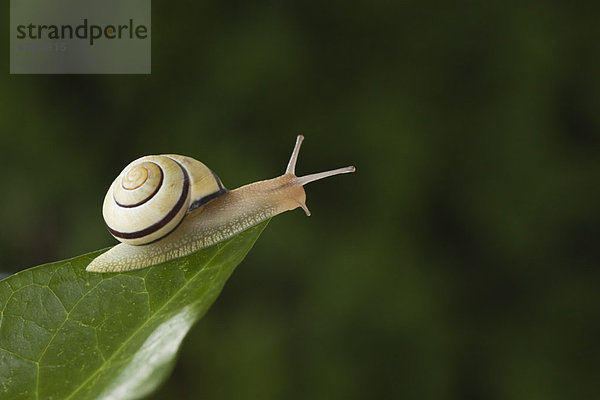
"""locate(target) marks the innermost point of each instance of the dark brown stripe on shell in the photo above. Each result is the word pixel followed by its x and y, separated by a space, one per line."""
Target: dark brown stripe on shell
pixel 200 202
pixel 147 198
pixel 160 238
pixel 217 179
pixel 168 218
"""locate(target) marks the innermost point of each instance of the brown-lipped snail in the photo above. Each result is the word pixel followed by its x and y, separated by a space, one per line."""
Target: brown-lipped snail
pixel 168 206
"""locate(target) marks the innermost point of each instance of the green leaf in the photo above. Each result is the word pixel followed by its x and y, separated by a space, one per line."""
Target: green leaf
pixel 69 334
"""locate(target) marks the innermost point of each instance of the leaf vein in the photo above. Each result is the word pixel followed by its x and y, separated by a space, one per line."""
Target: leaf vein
pixel 113 355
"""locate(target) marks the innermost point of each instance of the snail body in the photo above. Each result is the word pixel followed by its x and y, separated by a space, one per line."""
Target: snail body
pixel 183 221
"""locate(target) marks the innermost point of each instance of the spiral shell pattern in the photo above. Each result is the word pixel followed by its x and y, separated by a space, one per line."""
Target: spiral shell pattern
pixel 152 195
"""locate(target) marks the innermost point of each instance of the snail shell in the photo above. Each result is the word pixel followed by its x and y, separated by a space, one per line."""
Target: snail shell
pixel 152 194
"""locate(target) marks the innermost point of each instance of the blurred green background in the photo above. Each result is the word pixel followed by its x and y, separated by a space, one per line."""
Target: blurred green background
pixel 459 262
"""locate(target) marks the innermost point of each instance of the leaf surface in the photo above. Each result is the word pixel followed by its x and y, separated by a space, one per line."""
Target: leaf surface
pixel 69 334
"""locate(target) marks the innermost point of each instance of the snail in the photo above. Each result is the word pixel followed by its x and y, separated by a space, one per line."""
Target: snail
pixel 168 206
